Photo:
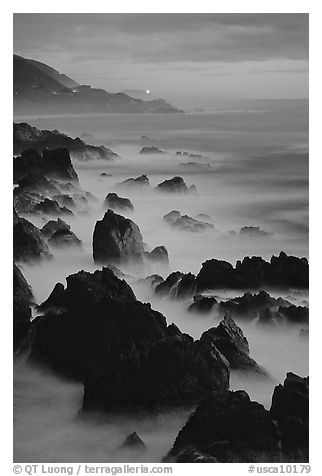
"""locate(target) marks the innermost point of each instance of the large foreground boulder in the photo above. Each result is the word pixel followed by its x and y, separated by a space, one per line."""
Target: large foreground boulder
pixel 96 330
pixel 117 239
pixel 230 428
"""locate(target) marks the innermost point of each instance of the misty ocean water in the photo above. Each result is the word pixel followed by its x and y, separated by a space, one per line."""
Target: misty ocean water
pixel 253 171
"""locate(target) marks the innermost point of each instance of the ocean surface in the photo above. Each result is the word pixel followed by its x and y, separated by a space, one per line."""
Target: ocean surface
pixel 252 171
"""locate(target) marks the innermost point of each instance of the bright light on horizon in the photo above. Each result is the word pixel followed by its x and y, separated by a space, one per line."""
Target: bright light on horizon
pixel 148 91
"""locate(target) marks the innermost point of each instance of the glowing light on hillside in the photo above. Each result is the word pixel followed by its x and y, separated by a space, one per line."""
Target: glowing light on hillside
pixel 148 91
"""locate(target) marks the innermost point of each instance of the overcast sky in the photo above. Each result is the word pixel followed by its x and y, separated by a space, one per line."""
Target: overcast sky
pixel 189 59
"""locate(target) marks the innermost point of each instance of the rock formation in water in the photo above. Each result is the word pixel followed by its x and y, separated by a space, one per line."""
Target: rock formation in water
pixel 28 242
pixel 230 428
pixel 158 254
pixel 115 202
pixel 151 150
pixel 51 207
pixel 186 223
pixel 133 441
pixel 229 339
pixel 96 330
pixel 26 136
pixel 63 239
pixel 22 300
pixel 177 285
pixel 281 272
pixel 173 185
pixel 55 163
pixel 54 225
pixel 117 239
pixel 137 183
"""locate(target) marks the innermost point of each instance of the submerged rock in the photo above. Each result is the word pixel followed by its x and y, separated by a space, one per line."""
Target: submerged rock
pixel 115 202
pixel 117 239
pixel 151 150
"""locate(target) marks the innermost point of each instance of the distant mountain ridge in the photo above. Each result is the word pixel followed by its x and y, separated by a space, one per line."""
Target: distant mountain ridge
pixel 40 89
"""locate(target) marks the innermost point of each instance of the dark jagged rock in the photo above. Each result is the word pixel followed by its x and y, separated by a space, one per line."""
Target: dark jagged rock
pixel 96 330
pixel 290 406
pixel 28 243
pixel 115 202
pixel 202 304
pixel 64 238
pixel 54 225
pixel 117 239
pixel 133 441
pixel 186 223
pixel 159 254
pixel 22 300
pixel 173 185
pixel 253 273
pixel 252 305
pixel 138 182
pixel 54 163
pixel 51 207
pixel 177 285
pixel 228 428
pixel 26 136
pixel 151 150
pixel 229 339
